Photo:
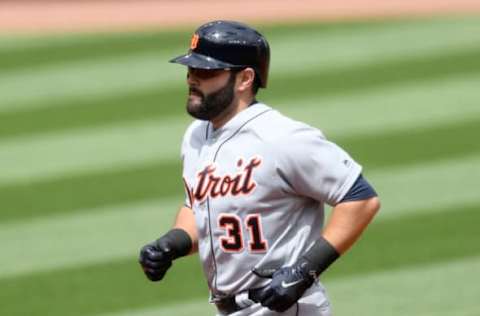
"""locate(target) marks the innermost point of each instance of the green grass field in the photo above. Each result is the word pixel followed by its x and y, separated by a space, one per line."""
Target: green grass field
pixel 90 131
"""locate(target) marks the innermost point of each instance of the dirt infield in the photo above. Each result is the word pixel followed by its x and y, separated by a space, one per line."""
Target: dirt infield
pixel 30 16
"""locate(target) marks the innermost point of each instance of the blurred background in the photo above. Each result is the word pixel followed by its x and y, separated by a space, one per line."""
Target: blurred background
pixel 92 116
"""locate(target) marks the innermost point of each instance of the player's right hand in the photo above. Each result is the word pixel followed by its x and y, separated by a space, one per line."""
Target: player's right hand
pixel 156 258
pixel 287 286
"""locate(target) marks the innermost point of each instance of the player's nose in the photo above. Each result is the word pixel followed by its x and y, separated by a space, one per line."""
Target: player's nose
pixel 192 80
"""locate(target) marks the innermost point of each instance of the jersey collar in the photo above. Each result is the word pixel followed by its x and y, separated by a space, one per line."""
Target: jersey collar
pixel 238 121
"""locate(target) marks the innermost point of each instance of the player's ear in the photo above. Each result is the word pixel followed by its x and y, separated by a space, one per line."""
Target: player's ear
pixel 245 79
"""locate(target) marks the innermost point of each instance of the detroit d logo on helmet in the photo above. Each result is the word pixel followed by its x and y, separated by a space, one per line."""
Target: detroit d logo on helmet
pixel 194 41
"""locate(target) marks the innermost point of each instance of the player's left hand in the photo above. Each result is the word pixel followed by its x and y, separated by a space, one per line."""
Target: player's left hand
pixel 287 286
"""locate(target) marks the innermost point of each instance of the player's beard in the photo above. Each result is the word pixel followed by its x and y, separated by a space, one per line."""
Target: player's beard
pixel 213 104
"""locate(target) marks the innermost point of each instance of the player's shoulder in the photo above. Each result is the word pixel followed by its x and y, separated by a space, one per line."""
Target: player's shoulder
pixel 278 127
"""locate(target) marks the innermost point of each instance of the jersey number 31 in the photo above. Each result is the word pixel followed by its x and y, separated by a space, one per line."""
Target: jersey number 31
pixel 233 241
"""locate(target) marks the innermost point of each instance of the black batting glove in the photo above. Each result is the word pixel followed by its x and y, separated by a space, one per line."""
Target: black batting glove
pixel 287 286
pixel 289 283
pixel 156 257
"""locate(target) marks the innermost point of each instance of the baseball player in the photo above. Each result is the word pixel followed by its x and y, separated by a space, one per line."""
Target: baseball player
pixel 256 183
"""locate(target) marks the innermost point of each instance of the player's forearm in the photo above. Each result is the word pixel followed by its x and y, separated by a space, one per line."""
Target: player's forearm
pixel 186 220
pixel 348 221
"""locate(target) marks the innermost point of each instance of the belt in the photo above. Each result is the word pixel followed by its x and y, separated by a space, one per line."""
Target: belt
pixel 231 304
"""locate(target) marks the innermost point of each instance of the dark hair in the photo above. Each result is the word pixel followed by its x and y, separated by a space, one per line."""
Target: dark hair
pixel 256 84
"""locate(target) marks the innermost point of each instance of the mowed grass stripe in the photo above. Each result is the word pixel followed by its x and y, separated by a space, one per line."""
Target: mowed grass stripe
pixel 381 73
pixel 148 70
pixel 385 35
pixel 350 47
pixel 91 149
pixel 439 289
pixel 140 104
pixel 88 79
pixel 401 107
pixel 73 47
pixel 118 76
pixel 413 146
pixel 410 154
pixel 94 236
pixel 70 195
pixel 119 284
pixel 111 286
pixel 426 185
pixel 417 237
pixel 393 293
pixel 404 192
pixel 353 119
pixel 40 52
pixel 120 107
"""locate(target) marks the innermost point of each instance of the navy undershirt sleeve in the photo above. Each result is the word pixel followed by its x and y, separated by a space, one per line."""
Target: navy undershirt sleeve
pixel 360 190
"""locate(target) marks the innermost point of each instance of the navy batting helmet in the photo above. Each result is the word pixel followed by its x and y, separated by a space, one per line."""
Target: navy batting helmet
pixel 228 44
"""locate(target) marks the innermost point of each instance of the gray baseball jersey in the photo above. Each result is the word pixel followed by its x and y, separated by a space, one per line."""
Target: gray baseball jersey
pixel 257 187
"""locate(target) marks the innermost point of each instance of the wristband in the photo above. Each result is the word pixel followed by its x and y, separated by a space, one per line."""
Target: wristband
pixel 180 242
pixel 319 257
